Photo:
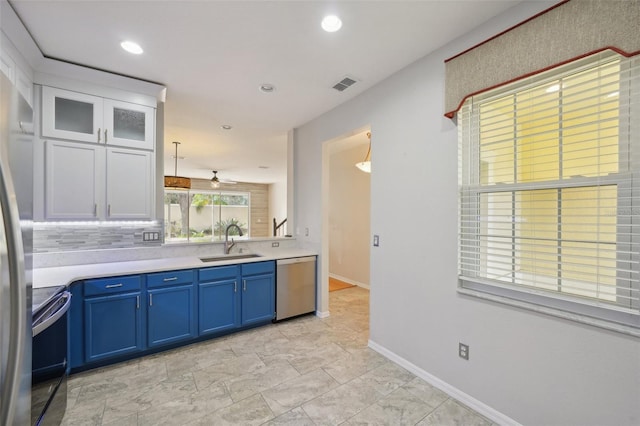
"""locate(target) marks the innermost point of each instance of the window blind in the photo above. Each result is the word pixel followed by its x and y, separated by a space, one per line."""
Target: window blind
pixel 549 185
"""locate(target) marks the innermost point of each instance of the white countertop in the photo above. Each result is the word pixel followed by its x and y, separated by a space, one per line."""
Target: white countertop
pixel 65 275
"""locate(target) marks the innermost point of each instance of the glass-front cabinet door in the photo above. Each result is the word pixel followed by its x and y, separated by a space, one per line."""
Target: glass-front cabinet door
pixel 76 116
pixel 129 125
pixel 71 115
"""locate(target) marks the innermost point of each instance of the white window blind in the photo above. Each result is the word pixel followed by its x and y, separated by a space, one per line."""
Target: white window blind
pixel 549 181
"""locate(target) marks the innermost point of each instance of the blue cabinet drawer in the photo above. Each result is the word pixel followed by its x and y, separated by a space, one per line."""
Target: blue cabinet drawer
pixel 170 278
pixel 258 268
pixel 112 285
pixel 218 273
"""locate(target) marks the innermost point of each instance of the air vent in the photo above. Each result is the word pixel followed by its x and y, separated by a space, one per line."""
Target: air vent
pixel 344 84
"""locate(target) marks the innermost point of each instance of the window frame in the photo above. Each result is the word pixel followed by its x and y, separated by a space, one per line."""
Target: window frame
pixel 588 311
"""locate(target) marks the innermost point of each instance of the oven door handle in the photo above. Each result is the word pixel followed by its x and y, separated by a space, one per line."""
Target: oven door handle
pixel 55 316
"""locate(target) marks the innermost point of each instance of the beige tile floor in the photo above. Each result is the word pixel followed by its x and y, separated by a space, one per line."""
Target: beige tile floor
pixel 306 371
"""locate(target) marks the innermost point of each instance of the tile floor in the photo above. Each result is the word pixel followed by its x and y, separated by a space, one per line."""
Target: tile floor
pixel 306 371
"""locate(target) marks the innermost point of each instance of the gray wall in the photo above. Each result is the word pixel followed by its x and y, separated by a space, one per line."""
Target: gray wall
pixel 528 367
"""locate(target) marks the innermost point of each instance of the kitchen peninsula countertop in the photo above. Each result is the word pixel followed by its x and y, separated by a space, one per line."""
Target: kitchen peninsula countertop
pixel 65 275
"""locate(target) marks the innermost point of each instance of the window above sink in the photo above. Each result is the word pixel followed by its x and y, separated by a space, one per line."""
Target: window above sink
pixel 203 216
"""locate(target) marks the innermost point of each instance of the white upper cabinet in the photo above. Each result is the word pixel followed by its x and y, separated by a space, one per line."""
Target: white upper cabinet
pixel 17 76
pixel 78 174
pixel 86 118
pixel 74 180
pixel 128 124
pixel 126 201
pixel 71 115
pixel 7 66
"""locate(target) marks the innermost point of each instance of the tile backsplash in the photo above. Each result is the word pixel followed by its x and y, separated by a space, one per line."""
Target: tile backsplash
pixel 61 237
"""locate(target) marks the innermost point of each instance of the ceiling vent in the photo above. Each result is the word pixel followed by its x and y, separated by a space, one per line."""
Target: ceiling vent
pixel 345 83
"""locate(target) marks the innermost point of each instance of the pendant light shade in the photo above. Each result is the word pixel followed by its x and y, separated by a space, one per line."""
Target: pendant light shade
pixel 177 182
pixel 365 165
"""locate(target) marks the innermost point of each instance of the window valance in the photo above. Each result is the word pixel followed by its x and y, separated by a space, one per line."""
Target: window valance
pixel 569 30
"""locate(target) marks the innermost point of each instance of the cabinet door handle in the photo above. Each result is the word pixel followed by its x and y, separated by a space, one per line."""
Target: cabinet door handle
pixel 137 302
pixel 108 209
pixel 235 286
pixel 150 299
pixel 98 134
pixel 170 279
pixel 95 209
pixel 244 285
pixel 105 135
pixel 113 285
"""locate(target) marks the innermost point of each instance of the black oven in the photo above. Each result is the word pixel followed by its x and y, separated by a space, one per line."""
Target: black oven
pixel 49 359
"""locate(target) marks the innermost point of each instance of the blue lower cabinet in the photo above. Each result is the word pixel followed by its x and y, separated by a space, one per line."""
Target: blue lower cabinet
pixel 218 306
pixel 171 315
pixel 117 317
pixel 113 326
pixel 257 299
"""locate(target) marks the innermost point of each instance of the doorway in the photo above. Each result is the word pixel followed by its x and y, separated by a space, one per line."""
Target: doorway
pixel 346 213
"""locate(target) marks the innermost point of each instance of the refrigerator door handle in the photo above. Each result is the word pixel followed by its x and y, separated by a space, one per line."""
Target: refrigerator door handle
pixel 17 296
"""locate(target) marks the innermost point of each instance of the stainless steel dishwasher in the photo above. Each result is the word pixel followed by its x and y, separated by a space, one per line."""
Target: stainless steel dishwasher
pixel 295 287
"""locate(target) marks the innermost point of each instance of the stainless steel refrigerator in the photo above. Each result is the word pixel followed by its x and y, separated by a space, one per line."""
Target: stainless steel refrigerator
pixel 16 243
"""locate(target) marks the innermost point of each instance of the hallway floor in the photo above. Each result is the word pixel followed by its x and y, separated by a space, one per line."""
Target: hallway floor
pixel 306 371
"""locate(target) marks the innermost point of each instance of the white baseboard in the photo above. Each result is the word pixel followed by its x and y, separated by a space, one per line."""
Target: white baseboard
pixel 322 314
pixel 453 392
pixel 349 281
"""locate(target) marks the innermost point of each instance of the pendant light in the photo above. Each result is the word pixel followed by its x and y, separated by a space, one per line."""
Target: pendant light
pixel 215 182
pixel 177 182
pixel 365 165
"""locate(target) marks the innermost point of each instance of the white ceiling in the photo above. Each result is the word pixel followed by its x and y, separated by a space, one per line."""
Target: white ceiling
pixel 213 55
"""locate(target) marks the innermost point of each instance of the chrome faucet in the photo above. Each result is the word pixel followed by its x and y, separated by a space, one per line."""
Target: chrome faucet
pixel 227 246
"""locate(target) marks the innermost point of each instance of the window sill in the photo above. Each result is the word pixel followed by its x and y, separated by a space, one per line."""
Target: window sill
pixel 559 313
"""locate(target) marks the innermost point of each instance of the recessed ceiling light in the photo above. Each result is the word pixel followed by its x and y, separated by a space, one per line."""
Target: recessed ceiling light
pixel 226 127
pixel 331 23
pixel 131 47
pixel 267 88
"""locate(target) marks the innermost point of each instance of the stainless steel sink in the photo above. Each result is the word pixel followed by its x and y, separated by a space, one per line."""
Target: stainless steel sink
pixel 224 257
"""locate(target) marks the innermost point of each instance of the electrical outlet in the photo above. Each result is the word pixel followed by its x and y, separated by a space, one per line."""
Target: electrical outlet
pixel 275 244
pixel 463 351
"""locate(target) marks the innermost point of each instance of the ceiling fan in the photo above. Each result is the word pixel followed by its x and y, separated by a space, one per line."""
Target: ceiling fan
pixel 215 181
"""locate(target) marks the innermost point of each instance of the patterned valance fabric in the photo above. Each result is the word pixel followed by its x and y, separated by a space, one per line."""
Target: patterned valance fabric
pixel 570 30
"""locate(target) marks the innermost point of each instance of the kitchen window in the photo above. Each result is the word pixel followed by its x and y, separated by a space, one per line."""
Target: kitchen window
pixel 549 191
pixel 203 216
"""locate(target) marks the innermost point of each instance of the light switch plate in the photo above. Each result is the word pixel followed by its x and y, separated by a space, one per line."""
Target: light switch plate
pixel 376 240
pixel 150 236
